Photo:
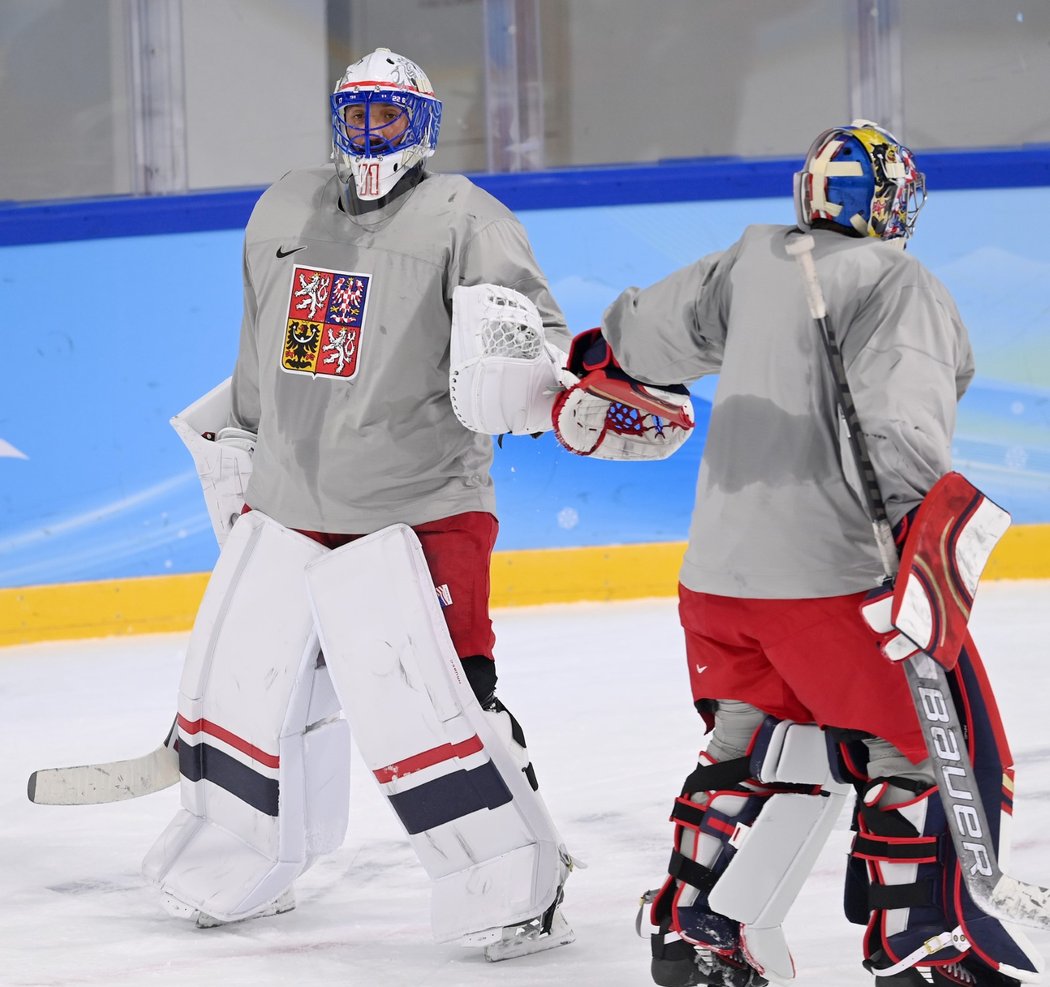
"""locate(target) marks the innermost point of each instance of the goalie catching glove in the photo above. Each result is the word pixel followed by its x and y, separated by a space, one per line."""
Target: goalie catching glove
pixel 608 414
pixel 503 374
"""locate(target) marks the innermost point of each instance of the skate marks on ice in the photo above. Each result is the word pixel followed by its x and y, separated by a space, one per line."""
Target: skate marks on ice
pixel 611 731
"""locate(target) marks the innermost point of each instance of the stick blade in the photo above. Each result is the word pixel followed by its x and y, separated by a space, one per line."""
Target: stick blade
pixel 1011 900
pixel 95 784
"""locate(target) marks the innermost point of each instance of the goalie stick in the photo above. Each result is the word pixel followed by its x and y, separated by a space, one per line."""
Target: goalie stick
pixel 93 784
pixel 997 894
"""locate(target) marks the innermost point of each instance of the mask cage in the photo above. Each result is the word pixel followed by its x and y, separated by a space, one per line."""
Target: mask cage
pixel 423 114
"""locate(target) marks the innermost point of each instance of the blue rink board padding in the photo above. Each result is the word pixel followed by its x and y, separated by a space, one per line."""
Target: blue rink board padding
pixel 105 339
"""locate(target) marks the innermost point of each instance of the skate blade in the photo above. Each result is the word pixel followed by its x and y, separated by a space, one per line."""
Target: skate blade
pixel 485 938
pixel 283 904
pixel 523 941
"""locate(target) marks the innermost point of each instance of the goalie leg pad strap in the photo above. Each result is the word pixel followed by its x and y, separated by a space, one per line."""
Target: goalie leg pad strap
pixel 263 754
pixel 480 830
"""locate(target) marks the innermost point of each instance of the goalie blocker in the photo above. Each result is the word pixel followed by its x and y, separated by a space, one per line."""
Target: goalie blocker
pixel 606 413
pixel 221 453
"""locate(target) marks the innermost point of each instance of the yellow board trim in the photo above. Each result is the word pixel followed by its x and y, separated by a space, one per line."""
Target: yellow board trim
pixel 155 604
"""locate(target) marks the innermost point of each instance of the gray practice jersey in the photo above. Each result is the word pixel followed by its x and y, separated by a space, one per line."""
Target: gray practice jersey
pixel 778 512
pixel 344 352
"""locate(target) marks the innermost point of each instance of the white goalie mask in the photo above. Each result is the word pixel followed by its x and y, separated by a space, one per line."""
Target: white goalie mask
pixel 385 120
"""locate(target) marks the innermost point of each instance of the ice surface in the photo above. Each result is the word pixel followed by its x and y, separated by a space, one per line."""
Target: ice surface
pixel 603 695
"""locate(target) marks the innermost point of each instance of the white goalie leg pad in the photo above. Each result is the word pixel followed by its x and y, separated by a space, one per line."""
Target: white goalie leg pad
pixel 503 375
pixel 480 831
pixel 263 752
pixel 776 854
pixel 223 462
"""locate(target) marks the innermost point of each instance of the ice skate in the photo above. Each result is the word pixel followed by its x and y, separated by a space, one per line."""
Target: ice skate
pixel 285 903
pixel 678 963
pixel 537 935
pixel 968 972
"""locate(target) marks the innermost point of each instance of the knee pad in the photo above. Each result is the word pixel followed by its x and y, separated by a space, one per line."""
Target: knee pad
pixel 745 845
pixel 453 772
pixel 263 751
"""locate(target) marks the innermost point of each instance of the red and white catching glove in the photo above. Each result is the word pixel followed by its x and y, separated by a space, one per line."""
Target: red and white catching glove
pixel 606 413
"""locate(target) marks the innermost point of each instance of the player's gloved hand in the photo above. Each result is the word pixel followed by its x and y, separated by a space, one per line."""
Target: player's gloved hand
pixel 237 438
pixel 876 609
pixel 606 413
pixel 589 351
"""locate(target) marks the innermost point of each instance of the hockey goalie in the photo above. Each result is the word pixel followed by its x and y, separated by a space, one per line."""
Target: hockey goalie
pixel 346 467
pixel 801 678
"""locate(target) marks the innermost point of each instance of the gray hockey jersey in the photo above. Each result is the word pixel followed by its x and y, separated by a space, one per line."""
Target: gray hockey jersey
pixel 778 511
pixel 344 351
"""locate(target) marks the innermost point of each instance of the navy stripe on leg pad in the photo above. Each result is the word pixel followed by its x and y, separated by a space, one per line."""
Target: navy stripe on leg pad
pixel 450 797
pixel 203 762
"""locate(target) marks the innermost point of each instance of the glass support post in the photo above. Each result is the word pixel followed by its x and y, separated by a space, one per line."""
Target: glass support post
pixel 513 86
pixel 876 76
pixel 157 97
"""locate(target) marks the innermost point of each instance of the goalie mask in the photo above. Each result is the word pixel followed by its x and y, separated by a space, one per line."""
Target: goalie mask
pixel 385 121
pixel 859 179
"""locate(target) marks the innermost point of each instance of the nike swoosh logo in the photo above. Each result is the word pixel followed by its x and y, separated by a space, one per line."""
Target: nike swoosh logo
pixel 284 253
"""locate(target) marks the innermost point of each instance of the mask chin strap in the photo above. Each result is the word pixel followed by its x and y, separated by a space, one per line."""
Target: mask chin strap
pixel 352 204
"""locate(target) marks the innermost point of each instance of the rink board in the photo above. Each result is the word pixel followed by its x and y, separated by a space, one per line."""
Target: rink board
pixel 113 330
pixel 618 572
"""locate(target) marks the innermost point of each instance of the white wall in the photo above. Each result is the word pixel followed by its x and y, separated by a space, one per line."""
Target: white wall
pixel 624 80
pixel 256 89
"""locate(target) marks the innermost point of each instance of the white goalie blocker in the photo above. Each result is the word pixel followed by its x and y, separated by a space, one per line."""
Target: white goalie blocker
pixel 263 753
pixel 222 455
pixel 503 374
pixel 481 832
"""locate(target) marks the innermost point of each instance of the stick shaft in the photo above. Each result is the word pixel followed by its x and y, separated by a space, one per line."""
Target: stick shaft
pixel 802 250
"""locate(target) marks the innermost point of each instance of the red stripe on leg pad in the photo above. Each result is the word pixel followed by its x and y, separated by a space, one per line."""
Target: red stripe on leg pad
pixel 192 727
pixel 428 758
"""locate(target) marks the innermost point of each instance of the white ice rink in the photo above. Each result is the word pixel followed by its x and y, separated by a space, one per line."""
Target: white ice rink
pixel 602 693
